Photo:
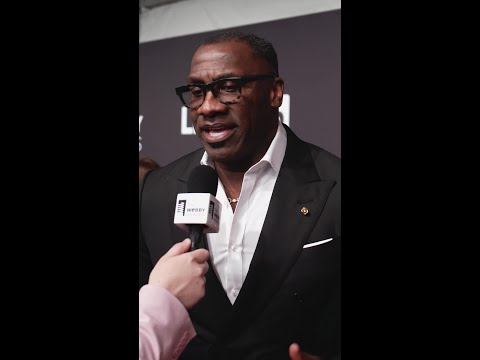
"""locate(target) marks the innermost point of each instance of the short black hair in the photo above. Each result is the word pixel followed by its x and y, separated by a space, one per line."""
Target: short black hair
pixel 260 47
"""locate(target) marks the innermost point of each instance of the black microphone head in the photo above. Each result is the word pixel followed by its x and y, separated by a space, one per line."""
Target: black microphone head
pixel 203 179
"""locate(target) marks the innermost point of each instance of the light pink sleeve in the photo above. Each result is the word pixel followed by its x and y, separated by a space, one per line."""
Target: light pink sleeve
pixel 164 325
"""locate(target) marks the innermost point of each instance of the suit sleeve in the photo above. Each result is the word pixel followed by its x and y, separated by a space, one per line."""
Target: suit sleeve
pixel 165 328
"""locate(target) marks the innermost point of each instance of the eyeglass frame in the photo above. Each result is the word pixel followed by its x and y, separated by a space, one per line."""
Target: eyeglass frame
pixel 210 86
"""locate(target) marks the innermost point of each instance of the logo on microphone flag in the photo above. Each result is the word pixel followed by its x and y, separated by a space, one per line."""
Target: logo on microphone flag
pixel 182 204
pixel 197 208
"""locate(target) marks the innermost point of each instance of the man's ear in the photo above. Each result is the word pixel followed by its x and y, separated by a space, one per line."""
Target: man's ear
pixel 277 93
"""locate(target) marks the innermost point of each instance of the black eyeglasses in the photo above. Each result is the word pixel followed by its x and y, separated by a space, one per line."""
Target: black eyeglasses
pixel 227 91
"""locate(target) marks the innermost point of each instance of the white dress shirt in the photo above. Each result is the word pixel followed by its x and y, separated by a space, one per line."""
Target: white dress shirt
pixel 232 248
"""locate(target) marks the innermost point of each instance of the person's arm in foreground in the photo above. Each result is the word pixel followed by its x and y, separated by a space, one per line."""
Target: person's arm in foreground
pixel 176 283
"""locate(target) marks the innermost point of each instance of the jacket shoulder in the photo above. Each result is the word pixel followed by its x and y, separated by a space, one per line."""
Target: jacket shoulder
pixel 328 165
pixel 175 169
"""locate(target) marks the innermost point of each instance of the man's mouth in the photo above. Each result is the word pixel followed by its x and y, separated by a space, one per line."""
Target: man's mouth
pixel 216 133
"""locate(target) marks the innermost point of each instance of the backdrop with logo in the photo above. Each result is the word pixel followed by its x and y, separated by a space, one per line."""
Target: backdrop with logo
pixel 309 56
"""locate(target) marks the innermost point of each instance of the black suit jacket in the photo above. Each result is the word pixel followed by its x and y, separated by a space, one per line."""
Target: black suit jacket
pixel 291 293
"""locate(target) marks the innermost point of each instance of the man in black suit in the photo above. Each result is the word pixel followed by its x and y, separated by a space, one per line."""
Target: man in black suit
pixel 274 275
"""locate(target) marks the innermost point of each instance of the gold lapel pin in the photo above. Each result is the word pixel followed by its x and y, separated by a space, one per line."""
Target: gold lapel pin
pixel 304 210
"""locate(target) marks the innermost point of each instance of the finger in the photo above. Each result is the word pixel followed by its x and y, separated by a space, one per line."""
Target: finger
pixel 294 352
pixel 200 255
pixel 204 267
pixel 178 248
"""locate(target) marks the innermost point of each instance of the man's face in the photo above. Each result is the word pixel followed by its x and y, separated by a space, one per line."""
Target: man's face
pixel 236 135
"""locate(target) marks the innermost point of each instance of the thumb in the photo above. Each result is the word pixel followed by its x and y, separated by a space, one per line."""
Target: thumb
pixel 178 248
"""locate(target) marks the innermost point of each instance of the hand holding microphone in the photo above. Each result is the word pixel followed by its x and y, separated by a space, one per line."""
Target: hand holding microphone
pixel 198 211
pixel 182 273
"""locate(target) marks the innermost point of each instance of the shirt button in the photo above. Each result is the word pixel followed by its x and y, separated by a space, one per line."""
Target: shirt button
pixel 234 248
pixel 235 292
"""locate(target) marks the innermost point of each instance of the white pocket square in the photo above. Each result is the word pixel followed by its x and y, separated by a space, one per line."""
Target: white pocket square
pixel 317 243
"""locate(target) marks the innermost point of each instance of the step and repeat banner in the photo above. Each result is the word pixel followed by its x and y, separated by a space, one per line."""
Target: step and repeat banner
pixel 309 56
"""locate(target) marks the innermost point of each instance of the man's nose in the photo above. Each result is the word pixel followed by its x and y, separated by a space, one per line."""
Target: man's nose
pixel 210 105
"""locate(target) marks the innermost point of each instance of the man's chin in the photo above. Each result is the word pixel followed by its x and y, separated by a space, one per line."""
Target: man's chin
pixel 218 152
pixel 217 145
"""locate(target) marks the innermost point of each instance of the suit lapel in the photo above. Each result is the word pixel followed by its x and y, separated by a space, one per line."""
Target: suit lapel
pixel 284 232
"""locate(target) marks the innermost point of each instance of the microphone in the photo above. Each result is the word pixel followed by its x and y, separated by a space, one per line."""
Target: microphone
pixel 198 211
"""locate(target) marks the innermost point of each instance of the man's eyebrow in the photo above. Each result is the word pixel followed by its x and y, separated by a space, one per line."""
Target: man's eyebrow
pixel 195 80
pixel 224 76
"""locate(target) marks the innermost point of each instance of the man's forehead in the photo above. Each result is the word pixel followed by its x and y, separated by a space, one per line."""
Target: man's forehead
pixel 211 60
pixel 226 51
pixel 211 69
pixel 218 60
